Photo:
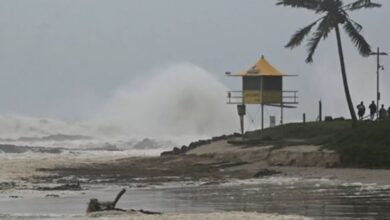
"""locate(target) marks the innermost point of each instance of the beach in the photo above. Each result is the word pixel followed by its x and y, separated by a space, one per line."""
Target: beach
pixel 199 184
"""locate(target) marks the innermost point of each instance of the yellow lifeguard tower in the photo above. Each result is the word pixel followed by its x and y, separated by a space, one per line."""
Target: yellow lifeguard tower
pixel 262 85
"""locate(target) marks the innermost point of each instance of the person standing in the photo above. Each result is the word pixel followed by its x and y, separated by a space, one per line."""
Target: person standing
pixel 373 109
pixel 361 110
pixel 388 113
pixel 382 113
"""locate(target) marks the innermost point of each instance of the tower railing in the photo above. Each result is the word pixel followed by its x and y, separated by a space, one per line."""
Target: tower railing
pixel 289 97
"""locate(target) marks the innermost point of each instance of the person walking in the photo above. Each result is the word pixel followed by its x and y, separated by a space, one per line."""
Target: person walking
pixel 361 110
pixel 382 113
pixel 373 109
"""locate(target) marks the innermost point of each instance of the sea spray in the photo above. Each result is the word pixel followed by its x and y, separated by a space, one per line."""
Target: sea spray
pixel 180 102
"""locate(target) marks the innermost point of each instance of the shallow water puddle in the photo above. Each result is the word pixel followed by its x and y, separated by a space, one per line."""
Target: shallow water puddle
pixel 320 199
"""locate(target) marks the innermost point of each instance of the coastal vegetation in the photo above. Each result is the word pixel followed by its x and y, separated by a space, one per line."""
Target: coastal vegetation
pixel 365 146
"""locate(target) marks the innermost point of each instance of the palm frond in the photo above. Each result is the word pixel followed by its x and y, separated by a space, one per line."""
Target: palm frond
pixel 326 25
pixel 356 38
pixel 359 4
pixel 358 26
pixel 307 4
pixel 299 36
pixel 312 45
pixel 322 31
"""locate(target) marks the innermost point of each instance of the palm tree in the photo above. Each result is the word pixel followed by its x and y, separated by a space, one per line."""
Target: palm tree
pixel 334 13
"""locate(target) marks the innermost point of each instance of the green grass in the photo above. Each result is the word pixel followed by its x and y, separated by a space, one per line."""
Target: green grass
pixel 366 145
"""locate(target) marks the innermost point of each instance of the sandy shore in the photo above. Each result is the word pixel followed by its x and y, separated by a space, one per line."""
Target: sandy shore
pixel 17 168
pixel 216 162
pixel 216 165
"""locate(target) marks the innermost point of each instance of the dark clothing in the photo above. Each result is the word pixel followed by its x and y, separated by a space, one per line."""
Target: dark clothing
pixel 373 110
pixel 388 113
pixel 382 114
pixel 361 111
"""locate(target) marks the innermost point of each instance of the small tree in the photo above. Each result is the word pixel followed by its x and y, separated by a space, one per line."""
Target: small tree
pixel 334 13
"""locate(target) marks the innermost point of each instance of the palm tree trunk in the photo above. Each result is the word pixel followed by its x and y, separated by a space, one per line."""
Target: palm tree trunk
pixel 344 75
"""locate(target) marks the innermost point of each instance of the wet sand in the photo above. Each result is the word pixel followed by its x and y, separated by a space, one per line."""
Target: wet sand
pixel 212 216
pixel 155 170
pixel 102 177
pixel 347 175
pixel 193 177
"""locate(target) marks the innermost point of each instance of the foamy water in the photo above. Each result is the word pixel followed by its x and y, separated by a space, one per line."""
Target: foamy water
pixel 176 102
pixel 173 106
pixel 290 197
pixel 211 216
pixel 122 216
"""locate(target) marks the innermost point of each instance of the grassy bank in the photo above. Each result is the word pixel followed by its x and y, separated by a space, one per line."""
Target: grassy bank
pixel 367 145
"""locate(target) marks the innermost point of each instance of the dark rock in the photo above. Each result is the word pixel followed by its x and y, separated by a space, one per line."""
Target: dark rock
pixel 192 145
pixel 147 212
pixel 236 135
pixel 166 153
pixel 210 183
pixel 55 137
pixel 266 172
pixel 184 148
pixel 7 185
pixel 8 148
pixel 199 143
pixel 176 151
pixel 15 197
pixel 52 196
pixel 70 186
pixel 219 138
pixel 106 147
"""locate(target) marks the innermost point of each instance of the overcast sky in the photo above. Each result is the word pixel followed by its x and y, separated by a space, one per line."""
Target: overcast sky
pixel 65 58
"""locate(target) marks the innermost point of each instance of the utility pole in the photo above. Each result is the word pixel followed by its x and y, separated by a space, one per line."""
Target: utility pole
pixel 378 68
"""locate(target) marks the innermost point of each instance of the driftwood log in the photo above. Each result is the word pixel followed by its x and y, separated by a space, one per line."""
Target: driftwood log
pixel 95 205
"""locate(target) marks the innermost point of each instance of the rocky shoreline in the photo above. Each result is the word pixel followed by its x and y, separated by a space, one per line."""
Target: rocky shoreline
pixel 193 145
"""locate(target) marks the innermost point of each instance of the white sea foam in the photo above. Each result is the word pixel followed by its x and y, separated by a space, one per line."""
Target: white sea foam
pixel 179 103
pixel 180 100
pixel 268 180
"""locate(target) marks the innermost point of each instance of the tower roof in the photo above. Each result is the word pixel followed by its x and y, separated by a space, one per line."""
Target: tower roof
pixel 262 68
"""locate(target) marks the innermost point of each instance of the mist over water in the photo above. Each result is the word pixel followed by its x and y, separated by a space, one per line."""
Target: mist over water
pixel 179 102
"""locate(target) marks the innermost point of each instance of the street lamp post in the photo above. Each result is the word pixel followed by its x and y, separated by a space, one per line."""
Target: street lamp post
pixel 378 68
